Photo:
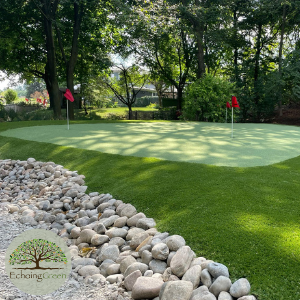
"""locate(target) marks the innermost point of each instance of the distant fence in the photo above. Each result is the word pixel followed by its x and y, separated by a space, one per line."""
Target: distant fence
pixel 20 108
pixel 153 115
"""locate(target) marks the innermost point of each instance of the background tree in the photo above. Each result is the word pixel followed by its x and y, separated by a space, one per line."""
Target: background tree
pixel 36 251
pixel 132 80
pixel 10 96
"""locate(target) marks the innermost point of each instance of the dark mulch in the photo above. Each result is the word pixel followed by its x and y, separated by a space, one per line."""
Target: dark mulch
pixel 290 116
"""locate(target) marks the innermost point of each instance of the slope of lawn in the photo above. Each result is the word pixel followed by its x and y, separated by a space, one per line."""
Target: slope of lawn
pixel 245 218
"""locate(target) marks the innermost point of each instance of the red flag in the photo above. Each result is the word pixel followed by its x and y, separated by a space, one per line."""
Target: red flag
pixel 228 105
pixel 69 95
pixel 234 102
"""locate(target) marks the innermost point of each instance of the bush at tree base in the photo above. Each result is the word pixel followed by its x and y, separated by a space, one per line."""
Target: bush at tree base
pixel 205 99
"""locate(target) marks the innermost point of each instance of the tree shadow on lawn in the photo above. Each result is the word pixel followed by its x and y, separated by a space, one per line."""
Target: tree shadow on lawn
pixel 245 218
pixel 208 143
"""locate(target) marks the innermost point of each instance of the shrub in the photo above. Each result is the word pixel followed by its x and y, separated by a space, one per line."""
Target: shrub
pixel 153 105
pixel 10 96
pixel 205 99
pixel 144 101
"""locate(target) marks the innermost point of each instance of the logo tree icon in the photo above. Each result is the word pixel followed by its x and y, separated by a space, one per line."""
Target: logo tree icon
pixel 36 251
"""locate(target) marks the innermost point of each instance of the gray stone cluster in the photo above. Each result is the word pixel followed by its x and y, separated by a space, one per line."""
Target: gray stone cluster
pixel 109 240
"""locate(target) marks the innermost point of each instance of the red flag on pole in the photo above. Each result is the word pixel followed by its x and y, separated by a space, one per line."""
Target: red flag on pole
pixel 228 105
pixel 234 102
pixel 69 95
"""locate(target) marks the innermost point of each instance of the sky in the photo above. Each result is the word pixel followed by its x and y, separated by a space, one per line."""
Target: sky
pixel 4 84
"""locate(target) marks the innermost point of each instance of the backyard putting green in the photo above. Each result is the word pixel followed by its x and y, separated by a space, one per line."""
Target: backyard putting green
pixel 207 143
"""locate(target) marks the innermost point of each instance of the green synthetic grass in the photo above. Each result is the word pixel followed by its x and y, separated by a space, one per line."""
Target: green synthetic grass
pixel 209 143
pixel 245 218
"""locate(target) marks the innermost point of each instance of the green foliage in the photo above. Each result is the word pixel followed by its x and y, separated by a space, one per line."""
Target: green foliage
pixel 153 105
pixel 10 96
pixel 145 101
pixel 205 99
pixel 169 102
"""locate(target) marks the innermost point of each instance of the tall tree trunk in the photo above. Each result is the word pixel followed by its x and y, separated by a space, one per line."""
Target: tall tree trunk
pixel 48 84
pixel 78 14
pixel 49 11
pixel 179 97
pixel 199 34
pixel 200 51
pixel 280 58
pixel 235 62
pixel 256 70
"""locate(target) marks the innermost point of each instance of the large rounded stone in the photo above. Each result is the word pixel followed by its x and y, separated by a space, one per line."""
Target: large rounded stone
pixel 88 271
pixel 99 239
pixel 82 221
pixel 110 252
pixel 131 279
pixel 157 266
pixel 197 292
pixel 146 257
pixel 146 288
pixel 174 242
pixel 115 278
pixel 205 278
pixel 108 213
pixel 132 232
pixel 136 266
pixel 28 220
pixel 117 241
pixel 86 235
pixel 109 221
pixel 225 296
pixel 116 232
pixel 160 251
pixel 240 288
pixel 217 269
pixel 138 239
pixel 176 290
pixel 250 297
pixel 105 265
pixel 145 223
pixel 222 283
pixel 181 261
pixel 133 220
pixel 100 228
pixel 126 262
pixel 75 232
pixel 128 211
pixel 113 269
pixel 193 275
pixel 83 261
pixel 121 222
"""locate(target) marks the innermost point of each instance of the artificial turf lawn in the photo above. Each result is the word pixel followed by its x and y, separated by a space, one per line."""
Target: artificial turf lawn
pixel 245 218
pixel 209 143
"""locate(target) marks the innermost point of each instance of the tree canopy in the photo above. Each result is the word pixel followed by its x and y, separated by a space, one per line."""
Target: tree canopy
pixel 254 44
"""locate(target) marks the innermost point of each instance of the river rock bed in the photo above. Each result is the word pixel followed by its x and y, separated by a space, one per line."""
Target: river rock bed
pixel 115 249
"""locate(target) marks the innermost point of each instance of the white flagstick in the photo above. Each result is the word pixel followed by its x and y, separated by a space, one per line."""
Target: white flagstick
pixel 68 114
pixel 232 123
